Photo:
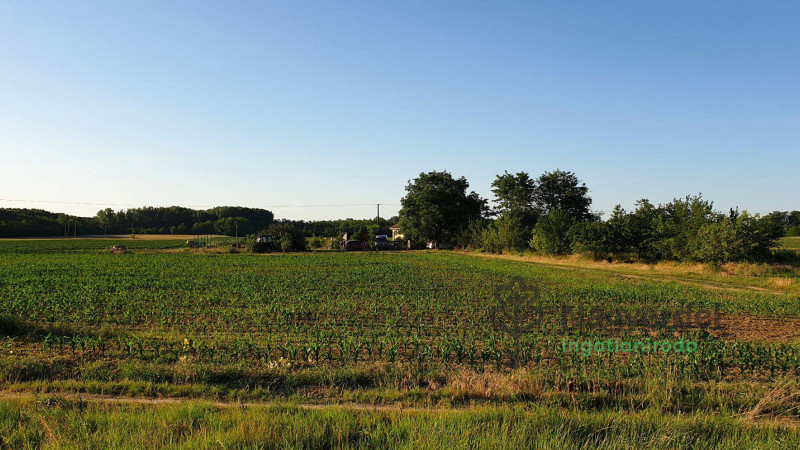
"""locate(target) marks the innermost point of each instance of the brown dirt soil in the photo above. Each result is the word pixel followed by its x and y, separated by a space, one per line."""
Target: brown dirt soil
pixel 758 329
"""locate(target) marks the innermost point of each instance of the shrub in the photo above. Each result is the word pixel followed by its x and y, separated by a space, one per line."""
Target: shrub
pixel 316 242
pixel 506 233
pixel 472 235
pixel 552 233
pixel 337 243
pixel 287 237
pixel 737 238
pixel 594 237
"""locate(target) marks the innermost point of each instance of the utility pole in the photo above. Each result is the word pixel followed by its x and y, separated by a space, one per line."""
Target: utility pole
pixel 378 218
pixel 237 229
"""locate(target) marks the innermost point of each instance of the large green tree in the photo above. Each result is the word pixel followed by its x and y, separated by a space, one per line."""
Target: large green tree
pixel 514 194
pixel 565 192
pixel 437 206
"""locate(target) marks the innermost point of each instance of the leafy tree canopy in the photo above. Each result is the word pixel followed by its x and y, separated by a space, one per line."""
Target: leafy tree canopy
pixel 437 206
pixel 562 191
pixel 514 193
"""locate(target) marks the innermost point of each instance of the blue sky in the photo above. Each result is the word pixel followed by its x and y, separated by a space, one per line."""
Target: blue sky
pixel 301 103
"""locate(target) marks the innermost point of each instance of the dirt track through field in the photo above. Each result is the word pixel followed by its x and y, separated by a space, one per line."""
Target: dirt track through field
pixel 51 397
pixel 663 278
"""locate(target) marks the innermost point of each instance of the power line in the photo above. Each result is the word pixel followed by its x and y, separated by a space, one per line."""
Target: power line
pixel 66 203
pixel 193 206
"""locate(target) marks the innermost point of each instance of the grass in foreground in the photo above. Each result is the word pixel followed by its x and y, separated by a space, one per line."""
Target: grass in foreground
pixel 58 423
pixel 422 329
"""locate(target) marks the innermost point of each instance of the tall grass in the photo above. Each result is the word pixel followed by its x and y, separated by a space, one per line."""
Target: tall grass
pixel 60 423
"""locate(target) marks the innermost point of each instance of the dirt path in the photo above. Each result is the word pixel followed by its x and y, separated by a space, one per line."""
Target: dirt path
pixel 125 400
pixel 627 274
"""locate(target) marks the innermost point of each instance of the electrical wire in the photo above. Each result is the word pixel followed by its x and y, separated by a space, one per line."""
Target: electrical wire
pixel 197 206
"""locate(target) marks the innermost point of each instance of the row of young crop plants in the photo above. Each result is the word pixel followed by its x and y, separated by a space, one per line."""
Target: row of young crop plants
pixel 713 359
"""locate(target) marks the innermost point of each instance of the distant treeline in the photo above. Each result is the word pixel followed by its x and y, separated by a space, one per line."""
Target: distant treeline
pixel 551 214
pixel 354 228
pixel 19 222
pixel 226 220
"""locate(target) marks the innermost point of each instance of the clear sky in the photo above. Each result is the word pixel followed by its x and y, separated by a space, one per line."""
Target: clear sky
pixel 308 103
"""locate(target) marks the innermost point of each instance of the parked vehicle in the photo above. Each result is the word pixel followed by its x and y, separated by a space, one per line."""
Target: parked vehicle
pixel 356 245
pixel 264 243
pixel 265 239
pixel 382 242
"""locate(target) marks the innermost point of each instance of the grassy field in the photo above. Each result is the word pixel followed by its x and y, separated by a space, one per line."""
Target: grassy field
pixel 790 243
pixel 201 349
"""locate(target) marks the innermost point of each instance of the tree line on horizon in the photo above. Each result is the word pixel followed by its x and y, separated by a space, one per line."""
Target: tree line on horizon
pixel 20 222
pixel 176 220
pixel 551 215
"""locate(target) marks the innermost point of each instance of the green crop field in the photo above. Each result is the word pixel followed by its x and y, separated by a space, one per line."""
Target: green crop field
pixel 790 243
pixel 457 341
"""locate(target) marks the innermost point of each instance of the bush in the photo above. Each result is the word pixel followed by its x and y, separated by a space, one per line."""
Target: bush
pixel 739 238
pixel 316 242
pixel 506 233
pixel 716 242
pixel 472 235
pixel 552 233
pixel 337 243
pixel 287 237
pixel 596 238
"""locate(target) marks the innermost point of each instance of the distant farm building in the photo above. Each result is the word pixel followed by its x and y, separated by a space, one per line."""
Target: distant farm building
pixel 397 232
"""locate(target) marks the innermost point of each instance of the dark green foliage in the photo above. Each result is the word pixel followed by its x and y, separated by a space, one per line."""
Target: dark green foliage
pixel 146 220
pixel 686 229
pixel 471 236
pixel 437 206
pixel 231 226
pixel 562 191
pixel 678 224
pixel 316 242
pixel 354 228
pixel 593 237
pixel 552 234
pixel 514 194
pixel 506 233
pixel 20 222
pixel 743 238
pixel 640 228
pixel 790 221
pixel 287 237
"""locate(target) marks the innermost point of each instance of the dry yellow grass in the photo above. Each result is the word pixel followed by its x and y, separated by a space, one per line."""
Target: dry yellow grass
pixel 151 237
pixel 731 276
pixel 782 401
pixel 117 237
pixel 495 385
